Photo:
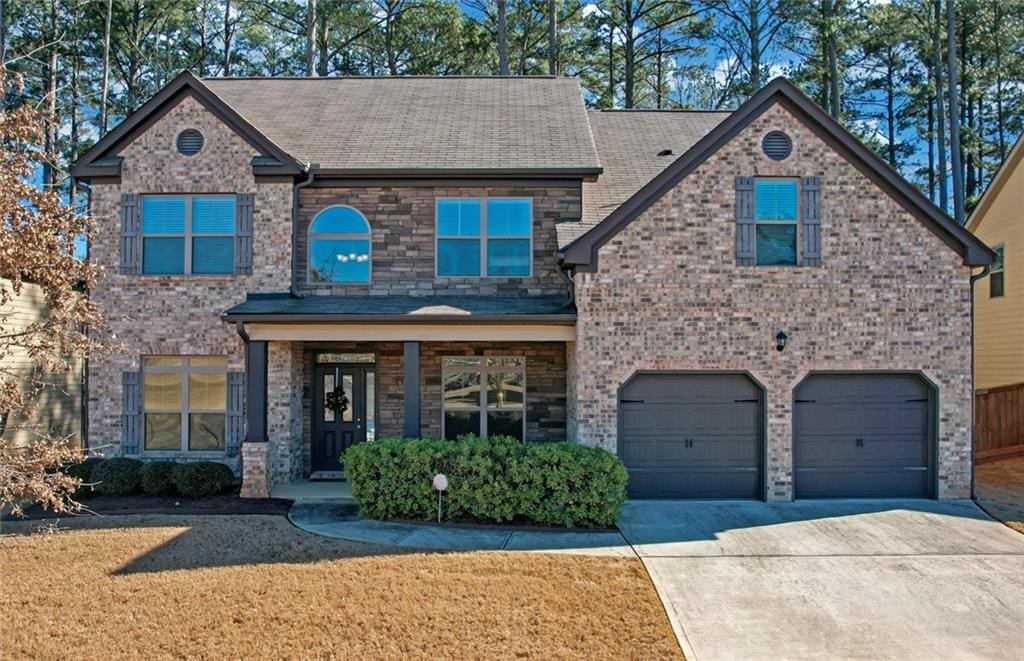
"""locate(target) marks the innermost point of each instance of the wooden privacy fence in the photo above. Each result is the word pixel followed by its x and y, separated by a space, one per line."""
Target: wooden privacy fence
pixel 999 421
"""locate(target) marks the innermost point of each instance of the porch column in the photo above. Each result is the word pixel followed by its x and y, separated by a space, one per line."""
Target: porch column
pixel 411 396
pixel 255 449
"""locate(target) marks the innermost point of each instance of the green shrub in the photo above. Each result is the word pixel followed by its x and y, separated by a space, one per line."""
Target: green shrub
pixel 83 471
pixel 490 479
pixel 202 478
pixel 156 479
pixel 116 477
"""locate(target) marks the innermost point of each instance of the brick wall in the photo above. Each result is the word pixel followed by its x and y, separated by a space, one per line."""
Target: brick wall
pixel 402 223
pixel 668 296
pixel 177 314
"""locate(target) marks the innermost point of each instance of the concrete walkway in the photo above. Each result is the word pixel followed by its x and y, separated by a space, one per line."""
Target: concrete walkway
pixel 342 521
pixel 834 579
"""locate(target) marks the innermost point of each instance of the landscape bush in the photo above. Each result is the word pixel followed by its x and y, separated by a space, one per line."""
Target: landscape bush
pixel 82 470
pixel 495 480
pixel 116 477
pixel 157 478
pixel 202 478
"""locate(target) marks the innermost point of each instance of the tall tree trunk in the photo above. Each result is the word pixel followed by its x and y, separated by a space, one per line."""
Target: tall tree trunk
pixel 105 92
pixel 50 140
pixel 76 62
pixel 997 26
pixel 611 67
pixel 502 39
pixel 323 32
pixel 310 35
pixel 954 113
pixel 3 32
pixel 228 35
pixel 629 65
pixel 754 34
pixel 832 58
pixel 940 137
pixel 553 37
pixel 931 142
pixel 389 39
pixel 659 74
pixel 890 106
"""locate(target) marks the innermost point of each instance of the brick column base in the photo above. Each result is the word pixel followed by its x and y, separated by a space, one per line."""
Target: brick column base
pixel 255 470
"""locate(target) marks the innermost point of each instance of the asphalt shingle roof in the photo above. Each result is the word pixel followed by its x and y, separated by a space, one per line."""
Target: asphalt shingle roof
pixel 431 123
pixel 401 306
pixel 628 143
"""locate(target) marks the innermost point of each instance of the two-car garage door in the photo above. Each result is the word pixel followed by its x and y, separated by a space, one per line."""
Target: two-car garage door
pixel 700 436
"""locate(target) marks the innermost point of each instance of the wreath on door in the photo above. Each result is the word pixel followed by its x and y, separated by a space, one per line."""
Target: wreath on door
pixel 336 401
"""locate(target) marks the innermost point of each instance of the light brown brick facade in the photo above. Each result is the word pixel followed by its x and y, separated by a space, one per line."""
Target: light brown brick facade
pixel 668 296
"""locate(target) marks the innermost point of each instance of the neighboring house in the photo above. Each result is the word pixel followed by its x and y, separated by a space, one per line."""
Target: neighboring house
pixel 998 220
pixel 297 265
pixel 58 409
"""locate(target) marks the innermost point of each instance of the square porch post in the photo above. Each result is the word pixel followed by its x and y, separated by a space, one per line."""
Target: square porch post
pixel 411 395
pixel 255 450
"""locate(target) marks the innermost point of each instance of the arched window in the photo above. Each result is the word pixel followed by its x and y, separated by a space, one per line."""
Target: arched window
pixel 339 247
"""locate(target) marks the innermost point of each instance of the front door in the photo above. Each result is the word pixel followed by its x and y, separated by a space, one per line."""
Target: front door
pixel 342 412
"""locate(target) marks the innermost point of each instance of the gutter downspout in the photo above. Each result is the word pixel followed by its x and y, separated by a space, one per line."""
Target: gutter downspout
pixel 974 398
pixel 293 288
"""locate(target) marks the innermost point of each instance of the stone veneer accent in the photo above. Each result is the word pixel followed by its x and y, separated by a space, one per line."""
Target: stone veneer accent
pixel 256 482
pixel 402 224
pixel 668 296
pixel 178 314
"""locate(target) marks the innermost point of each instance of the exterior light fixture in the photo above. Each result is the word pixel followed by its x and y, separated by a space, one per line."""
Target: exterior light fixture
pixel 780 340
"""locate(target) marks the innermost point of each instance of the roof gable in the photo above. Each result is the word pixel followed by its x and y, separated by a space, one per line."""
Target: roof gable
pixel 102 159
pixel 1003 176
pixel 583 252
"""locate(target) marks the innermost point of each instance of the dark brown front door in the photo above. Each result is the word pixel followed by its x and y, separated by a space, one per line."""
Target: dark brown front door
pixel 339 412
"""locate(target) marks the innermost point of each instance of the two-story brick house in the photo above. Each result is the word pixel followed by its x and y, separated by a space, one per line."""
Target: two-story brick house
pixel 741 305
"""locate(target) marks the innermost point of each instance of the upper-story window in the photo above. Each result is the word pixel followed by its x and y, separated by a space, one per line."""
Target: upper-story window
pixel 777 217
pixel 996 274
pixel 339 247
pixel 188 234
pixel 484 237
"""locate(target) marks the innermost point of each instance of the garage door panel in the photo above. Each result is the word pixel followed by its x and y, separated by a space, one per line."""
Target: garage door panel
pixel 861 435
pixel 691 436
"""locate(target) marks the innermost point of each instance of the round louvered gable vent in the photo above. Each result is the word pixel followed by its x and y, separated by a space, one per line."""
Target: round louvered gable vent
pixel 190 141
pixel 777 146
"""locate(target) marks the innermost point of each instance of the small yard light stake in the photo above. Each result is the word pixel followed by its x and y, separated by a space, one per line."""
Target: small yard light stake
pixel 780 340
pixel 441 484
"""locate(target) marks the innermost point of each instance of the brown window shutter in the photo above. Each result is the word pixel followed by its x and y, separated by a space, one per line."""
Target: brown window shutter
pixel 236 412
pixel 131 413
pixel 243 233
pixel 810 221
pixel 131 239
pixel 746 241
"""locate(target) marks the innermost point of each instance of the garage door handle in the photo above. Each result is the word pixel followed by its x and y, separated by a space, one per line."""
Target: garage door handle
pixel 806 401
pixel 859 442
pixel 744 401
pixel 631 401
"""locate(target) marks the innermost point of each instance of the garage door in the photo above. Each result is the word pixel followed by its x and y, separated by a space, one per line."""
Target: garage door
pixel 861 436
pixel 691 436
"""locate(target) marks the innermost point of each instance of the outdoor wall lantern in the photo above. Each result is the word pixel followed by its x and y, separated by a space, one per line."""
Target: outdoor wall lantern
pixel 780 340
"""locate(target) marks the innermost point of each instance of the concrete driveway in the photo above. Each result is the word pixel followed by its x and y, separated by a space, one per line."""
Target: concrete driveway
pixel 834 579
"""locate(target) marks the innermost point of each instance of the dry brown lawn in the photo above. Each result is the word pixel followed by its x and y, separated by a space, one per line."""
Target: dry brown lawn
pixel 159 586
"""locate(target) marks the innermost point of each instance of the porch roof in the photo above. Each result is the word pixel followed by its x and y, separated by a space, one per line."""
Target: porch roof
pixel 285 308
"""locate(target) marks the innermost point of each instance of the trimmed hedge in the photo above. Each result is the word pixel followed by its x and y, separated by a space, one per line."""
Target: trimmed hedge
pixel 490 479
pixel 116 477
pixel 156 478
pixel 83 471
pixel 202 478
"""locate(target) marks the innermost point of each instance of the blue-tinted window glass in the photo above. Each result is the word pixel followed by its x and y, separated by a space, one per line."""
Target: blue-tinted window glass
pixel 163 215
pixel 213 254
pixel 340 220
pixel 458 218
pixel 213 215
pixel 457 257
pixel 775 199
pixel 776 245
pixel 508 218
pixel 340 260
pixel 163 255
pixel 508 257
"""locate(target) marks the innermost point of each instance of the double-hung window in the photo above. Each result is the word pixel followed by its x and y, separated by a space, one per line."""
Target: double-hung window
pixel 489 237
pixel 996 274
pixel 184 402
pixel 485 396
pixel 188 234
pixel 777 218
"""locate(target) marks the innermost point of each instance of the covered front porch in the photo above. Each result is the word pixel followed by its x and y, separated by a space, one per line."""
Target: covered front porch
pixel 315 387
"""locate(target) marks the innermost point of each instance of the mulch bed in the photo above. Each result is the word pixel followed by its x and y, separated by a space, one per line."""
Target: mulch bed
pixel 228 503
